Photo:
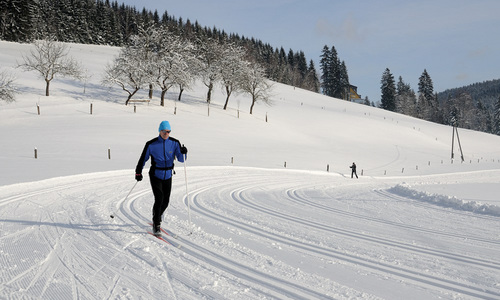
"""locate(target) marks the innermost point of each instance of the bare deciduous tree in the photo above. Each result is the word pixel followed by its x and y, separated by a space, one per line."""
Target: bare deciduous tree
pixel 234 67
pixel 257 85
pixel 127 72
pixel 211 57
pixel 7 89
pixel 154 57
pixel 51 58
pixel 173 63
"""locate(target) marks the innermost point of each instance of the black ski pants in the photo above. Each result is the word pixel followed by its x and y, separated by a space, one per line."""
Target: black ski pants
pixel 161 191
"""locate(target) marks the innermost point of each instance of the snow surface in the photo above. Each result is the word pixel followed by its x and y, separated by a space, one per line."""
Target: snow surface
pixel 415 225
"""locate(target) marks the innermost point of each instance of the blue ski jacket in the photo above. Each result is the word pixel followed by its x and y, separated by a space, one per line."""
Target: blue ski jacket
pixel 162 153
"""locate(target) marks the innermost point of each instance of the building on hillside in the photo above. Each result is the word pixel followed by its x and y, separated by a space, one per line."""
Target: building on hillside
pixel 353 94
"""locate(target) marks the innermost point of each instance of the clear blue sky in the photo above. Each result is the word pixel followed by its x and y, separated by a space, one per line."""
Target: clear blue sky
pixel 457 41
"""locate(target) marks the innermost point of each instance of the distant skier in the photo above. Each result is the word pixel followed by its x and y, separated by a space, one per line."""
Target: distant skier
pixel 162 150
pixel 353 170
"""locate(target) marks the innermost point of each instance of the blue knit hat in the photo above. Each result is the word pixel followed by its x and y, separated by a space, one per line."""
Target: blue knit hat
pixel 164 126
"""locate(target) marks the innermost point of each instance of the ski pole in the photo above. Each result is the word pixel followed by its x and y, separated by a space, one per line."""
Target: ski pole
pixel 187 195
pixel 112 215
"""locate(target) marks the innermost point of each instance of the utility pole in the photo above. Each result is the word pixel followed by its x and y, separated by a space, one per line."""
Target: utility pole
pixel 455 129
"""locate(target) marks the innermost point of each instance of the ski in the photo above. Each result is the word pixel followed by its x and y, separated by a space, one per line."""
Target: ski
pixel 162 230
pixel 160 237
pixel 164 239
pixel 172 234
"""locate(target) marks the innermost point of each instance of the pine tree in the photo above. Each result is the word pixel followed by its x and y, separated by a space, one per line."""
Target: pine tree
pixel 428 106
pixel 290 77
pixel 496 118
pixel 425 86
pixel 335 80
pixel 311 81
pixel 343 83
pixel 406 99
pixel 334 70
pixel 482 120
pixel 462 111
pixel 326 76
pixel 39 20
pixel 15 20
pixel 388 88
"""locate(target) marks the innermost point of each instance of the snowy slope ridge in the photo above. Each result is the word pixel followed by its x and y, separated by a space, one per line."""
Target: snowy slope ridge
pixel 415 225
pixel 446 201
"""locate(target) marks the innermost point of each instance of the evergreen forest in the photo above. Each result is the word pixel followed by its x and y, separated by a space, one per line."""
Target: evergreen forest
pixel 105 22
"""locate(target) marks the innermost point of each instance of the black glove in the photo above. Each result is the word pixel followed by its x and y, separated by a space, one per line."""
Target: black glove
pixel 138 177
pixel 184 150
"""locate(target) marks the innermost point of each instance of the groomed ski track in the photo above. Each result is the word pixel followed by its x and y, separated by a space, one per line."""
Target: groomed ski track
pixel 256 234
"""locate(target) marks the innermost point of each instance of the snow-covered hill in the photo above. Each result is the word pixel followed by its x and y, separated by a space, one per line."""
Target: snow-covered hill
pixel 415 225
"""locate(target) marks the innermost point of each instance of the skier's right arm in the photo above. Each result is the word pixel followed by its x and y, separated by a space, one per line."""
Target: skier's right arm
pixel 142 161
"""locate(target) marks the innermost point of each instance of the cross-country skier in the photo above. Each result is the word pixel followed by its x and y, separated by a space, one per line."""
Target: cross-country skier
pixel 353 170
pixel 162 150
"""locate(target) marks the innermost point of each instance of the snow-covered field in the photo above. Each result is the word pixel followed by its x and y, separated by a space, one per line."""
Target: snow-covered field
pixel 415 225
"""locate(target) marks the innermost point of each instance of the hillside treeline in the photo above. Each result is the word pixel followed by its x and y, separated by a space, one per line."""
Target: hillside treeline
pixel 487 92
pixel 109 23
pixel 478 104
pixel 475 107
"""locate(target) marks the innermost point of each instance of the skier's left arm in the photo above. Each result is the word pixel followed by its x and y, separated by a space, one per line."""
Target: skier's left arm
pixel 181 152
